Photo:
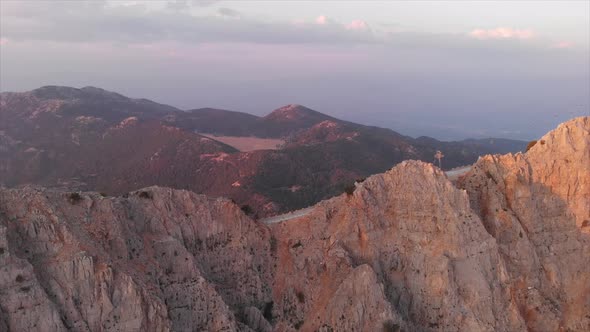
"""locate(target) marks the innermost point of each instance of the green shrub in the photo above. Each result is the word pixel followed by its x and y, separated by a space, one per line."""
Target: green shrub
pixel 300 296
pixel 247 209
pixel 530 145
pixel 349 190
pixel 145 194
pixel 298 325
pixel 273 244
pixel 267 312
pixel 74 198
pixel 390 326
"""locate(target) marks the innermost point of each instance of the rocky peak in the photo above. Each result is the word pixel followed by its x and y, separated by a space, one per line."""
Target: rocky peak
pixel 295 113
pixel 397 247
pixel 536 205
pixel 291 109
pixel 561 160
pixel 558 163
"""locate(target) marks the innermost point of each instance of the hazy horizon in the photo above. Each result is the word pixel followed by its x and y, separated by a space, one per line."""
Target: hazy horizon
pixel 450 70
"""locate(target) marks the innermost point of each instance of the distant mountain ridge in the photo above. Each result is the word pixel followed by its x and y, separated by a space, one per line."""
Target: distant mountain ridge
pixel 94 139
pixel 279 123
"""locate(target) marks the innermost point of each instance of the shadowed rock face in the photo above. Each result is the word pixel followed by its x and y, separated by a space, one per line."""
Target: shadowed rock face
pixel 537 207
pixel 407 250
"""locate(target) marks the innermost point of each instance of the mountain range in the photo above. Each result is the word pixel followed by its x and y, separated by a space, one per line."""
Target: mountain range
pixel 93 139
pixel 503 248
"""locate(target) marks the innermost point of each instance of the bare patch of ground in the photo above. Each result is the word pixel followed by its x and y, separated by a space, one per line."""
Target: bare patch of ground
pixel 247 143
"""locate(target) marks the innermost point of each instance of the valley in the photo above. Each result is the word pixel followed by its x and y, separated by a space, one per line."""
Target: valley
pixel 248 143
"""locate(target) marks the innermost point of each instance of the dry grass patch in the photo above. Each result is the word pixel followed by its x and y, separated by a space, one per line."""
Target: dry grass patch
pixel 246 143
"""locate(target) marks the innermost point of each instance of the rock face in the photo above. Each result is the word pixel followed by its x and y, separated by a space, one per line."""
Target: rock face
pixel 406 251
pixel 537 207
pixel 158 260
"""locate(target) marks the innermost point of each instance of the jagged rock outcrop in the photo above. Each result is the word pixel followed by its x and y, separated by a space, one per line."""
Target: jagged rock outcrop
pixel 406 251
pixel 432 264
pixel 537 207
pixel 157 260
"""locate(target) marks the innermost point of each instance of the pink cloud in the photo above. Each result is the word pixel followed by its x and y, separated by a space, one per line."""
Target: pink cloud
pixel 357 25
pixel 321 20
pixel 502 33
pixel 563 44
pixel 298 21
pixel 3 41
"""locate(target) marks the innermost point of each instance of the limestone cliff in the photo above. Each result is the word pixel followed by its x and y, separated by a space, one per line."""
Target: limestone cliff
pixel 537 207
pixel 406 251
pixel 156 260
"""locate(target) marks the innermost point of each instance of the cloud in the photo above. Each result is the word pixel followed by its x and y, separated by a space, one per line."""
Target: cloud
pixel 327 21
pixel 96 23
pixel 357 25
pixel 563 44
pixel 178 5
pixel 321 20
pixel 228 12
pixel 87 22
pixel 204 3
pixel 502 33
pixel 3 41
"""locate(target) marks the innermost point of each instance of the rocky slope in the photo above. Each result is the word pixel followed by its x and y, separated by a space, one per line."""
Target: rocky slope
pixel 537 207
pixel 407 250
pixel 157 260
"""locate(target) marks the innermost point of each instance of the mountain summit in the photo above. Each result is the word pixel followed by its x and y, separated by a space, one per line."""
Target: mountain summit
pixel 289 119
pixel 296 113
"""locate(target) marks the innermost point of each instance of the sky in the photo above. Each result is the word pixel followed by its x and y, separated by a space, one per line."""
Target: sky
pixel 446 69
